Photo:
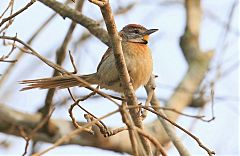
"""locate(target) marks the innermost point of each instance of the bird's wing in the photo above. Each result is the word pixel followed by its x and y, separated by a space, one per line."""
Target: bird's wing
pixel 107 73
pixel 104 57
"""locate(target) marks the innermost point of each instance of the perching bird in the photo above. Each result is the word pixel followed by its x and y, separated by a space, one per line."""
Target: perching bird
pixel 137 56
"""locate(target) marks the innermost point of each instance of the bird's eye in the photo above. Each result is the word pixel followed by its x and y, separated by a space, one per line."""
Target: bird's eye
pixel 136 31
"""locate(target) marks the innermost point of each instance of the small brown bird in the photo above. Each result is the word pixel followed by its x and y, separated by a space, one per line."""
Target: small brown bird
pixel 137 56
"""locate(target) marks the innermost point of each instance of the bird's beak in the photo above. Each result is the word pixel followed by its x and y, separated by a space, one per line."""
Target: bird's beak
pixel 150 31
pixel 147 33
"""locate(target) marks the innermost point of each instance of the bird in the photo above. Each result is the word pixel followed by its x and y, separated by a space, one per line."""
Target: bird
pixel 137 55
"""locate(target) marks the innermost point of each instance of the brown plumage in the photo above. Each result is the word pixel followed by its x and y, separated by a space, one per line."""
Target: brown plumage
pixel 59 82
pixel 137 56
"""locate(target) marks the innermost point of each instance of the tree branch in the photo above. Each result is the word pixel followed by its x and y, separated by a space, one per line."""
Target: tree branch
pixel 90 24
pixel 17 13
pixel 198 61
pixel 129 93
pixel 167 127
pixel 60 56
pixel 11 119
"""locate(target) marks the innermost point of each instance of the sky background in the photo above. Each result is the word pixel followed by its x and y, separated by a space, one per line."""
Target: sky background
pixel 220 135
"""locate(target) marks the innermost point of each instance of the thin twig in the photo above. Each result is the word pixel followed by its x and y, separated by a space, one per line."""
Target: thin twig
pixel 116 131
pixel 8 61
pixel 210 153
pixel 153 140
pixel 9 5
pixel 60 56
pixel 10 21
pixel 120 63
pixel 187 115
pixel 33 132
pixel 73 64
pixel 17 13
pixel 78 17
pixel 76 102
pixel 59 68
pixel 76 125
pixel 19 55
pixel 128 121
pixel 68 137
pixel 147 103
pixel 3 58
pixel 167 126
pixel 212 104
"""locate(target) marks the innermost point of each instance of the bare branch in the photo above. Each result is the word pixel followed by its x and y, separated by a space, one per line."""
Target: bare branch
pixel 120 63
pixel 60 69
pixel 17 13
pixel 60 56
pixel 9 5
pixel 167 127
pixel 197 60
pixel 210 153
pixel 68 137
pixel 19 54
pixel 153 140
pixel 36 129
pixel 65 11
pixel 11 119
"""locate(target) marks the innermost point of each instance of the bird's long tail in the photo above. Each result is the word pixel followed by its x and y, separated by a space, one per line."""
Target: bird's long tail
pixel 59 82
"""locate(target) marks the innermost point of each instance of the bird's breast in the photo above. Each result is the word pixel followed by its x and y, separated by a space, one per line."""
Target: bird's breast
pixel 139 62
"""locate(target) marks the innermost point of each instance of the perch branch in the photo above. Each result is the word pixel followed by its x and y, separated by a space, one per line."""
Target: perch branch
pixel 129 94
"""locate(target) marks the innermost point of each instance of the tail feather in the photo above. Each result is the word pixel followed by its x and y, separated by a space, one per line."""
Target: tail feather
pixel 58 82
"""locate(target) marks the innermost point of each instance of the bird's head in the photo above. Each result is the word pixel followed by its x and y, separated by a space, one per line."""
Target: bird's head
pixel 136 33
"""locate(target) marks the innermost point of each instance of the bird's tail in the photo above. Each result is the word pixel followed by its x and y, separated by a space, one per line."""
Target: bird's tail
pixel 59 82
